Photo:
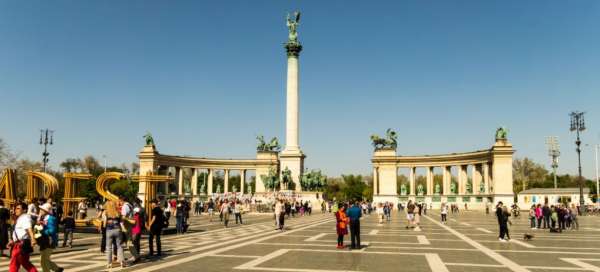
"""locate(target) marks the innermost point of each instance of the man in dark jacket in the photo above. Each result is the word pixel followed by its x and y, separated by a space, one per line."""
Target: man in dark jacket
pixel 546 212
pixel 354 213
pixel 502 223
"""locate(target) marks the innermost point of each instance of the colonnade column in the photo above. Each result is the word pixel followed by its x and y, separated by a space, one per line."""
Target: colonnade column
pixel 375 181
pixel 210 182
pixel 486 177
pixel 242 180
pixel 179 181
pixel 462 179
pixel 476 178
pixel 226 189
pixel 430 180
pixel 194 182
pixel 446 180
pixel 411 178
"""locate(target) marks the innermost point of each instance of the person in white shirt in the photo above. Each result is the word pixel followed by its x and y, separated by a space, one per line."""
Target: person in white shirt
pixel 278 213
pixel 32 209
pixel 22 242
pixel 444 212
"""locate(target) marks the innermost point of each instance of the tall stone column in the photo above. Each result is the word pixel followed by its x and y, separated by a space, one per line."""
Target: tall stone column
pixel 476 178
pixel 242 180
pixel 446 174
pixel 430 180
pixel 179 180
pixel 226 182
pixel 210 182
pixel 502 178
pixel 486 177
pixel 462 179
pixel 411 178
pixel 292 157
pixel 194 182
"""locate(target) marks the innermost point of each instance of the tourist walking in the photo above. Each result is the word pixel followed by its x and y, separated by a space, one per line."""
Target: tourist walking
pixel 502 222
pixel 507 221
pixel 82 209
pixel 532 218
pixel 354 213
pixel 538 215
pixel 136 233
pixel 546 213
pixel 279 210
pixel 237 211
pixel 380 212
pixel 341 226
pixel 179 210
pixel 225 211
pixel 387 211
pixel 22 241
pixel 68 229
pixel 444 212
pixel 4 225
pixel 410 214
pixel 155 225
pixel 112 222
pixel 211 209
pixel 49 237
pixel 574 222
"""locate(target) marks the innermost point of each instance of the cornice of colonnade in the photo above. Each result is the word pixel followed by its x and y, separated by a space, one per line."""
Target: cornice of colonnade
pixel 264 159
pixel 452 159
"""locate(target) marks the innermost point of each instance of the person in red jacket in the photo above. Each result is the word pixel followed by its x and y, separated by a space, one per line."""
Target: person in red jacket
pixel 341 226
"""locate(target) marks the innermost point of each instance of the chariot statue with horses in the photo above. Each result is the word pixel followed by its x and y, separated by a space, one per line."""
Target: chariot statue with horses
pixel 390 140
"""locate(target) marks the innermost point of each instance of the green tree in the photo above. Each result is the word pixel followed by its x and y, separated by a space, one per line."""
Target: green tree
pixel 526 171
pixel 354 188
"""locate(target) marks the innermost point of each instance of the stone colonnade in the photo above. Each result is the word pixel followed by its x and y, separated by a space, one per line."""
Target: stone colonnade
pixel 491 176
pixel 153 162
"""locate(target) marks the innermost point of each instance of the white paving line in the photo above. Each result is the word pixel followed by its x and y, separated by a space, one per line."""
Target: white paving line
pixel 436 263
pixel 423 240
pixel 315 238
pixel 235 256
pixel 494 255
pixel 236 243
pixel 521 243
pixel 374 232
pixel 581 264
pixel 465 224
pixel 484 230
pixel 475 265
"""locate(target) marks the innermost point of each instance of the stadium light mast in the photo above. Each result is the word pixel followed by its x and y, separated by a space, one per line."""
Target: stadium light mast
pixel 553 152
pixel 578 125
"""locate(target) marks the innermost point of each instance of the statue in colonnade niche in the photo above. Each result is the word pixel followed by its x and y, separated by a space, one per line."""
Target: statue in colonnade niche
pixel 403 189
pixel 203 188
pixel 501 133
pixel 469 187
pixel 453 188
pixel 438 190
pixel 218 188
pixel 286 177
pixel 482 187
pixel 250 188
pixel 149 140
pixel 233 188
pixel 273 145
pixel 420 189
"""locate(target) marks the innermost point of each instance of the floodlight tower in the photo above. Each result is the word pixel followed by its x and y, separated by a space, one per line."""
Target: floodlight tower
pixel 46 138
pixel 578 125
pixel 553 152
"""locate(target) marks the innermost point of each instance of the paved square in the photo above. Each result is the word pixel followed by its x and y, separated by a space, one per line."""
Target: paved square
pixel 468 242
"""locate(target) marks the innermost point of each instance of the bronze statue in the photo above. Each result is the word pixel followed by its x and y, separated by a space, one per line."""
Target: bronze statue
pixel 292 27
pixel 149 139
pixel 272 146
pixel 501 133
pixel 391 140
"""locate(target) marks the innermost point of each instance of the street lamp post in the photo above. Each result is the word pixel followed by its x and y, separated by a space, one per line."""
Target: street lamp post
pixel 46 138
pixel 578 125
pixel 553 152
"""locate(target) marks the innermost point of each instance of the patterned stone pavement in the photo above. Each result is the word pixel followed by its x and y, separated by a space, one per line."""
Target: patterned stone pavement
pixel 468 242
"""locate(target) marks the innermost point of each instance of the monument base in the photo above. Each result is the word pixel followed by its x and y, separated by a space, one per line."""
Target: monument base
pixel 294 161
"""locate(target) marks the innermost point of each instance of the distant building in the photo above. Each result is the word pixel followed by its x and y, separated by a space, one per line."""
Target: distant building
pixel 551 196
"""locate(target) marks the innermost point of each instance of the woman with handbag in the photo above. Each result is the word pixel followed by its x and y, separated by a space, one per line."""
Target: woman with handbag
pixel 22 241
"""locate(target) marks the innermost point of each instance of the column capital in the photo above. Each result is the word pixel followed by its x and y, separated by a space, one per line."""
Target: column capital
pixel 293 48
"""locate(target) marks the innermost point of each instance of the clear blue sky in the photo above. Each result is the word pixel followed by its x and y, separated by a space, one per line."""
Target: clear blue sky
pixel 205 77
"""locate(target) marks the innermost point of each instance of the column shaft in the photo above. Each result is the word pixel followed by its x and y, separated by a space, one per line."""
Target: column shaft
pixel 194 182
pixel 242 180
pixel 291 136
pixel 411 178
pixel 486 177
pixel 226 189
pixel 179 181
pixel 375 181
pixel 430 180
pixel 210 182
